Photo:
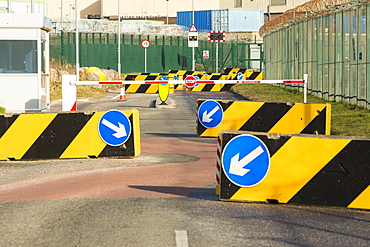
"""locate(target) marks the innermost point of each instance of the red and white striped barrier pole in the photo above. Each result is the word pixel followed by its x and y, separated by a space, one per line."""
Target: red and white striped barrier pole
pixel 183 82
pixel 189 81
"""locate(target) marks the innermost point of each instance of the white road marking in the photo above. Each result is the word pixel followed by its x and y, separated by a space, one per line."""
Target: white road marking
pixel 181 238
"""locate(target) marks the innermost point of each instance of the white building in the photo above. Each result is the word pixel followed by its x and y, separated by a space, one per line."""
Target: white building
pixel 56 9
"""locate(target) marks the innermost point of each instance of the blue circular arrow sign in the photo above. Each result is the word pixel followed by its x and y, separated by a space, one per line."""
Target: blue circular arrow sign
pixel 163 78
pixel 114 128
pixel 245 160
pixel 210 114
pixel 240 76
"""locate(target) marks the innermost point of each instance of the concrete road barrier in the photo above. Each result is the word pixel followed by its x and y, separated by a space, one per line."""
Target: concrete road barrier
pixel 299 169
pixel 68 135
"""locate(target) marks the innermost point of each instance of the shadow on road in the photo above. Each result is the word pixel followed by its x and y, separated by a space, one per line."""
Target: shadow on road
pixel 186 137
pixel 205 193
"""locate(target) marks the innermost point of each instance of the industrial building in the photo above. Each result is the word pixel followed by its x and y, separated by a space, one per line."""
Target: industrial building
pixel 146 9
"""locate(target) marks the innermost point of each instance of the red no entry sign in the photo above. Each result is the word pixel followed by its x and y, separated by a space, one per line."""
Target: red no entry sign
pixel 190 81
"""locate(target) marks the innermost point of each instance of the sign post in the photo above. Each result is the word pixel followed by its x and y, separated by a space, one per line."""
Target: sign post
pixel 193 42
pixel 145 44
pixel 217 37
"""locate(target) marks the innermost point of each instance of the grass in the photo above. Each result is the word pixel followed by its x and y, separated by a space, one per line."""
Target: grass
pixel 347 120
pixel 82 92
pixel 91 92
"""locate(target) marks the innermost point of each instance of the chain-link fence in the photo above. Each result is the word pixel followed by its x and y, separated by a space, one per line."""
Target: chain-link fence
pixel 165 52
pixel 331 48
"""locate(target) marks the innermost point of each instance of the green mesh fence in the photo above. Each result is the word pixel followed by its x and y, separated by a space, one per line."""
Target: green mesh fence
pixel 332 49
pixel 165 53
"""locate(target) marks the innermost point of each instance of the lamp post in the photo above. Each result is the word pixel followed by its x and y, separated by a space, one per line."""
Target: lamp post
pixel 167 11
pixel 8 9
pixel 119 41
pixel 146 13
pixel 193 48
pixel 154 9
pixel 77 44
pixel 61 10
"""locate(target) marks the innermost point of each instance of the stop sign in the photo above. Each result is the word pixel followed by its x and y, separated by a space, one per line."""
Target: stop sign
pixel 190 81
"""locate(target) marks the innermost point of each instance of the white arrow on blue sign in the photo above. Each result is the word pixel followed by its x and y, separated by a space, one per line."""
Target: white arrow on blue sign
pixel 114 128
pixel 245 160
pixel 210 114
pixel 163 78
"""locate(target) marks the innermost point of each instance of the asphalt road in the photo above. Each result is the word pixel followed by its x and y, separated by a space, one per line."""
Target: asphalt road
pixel 164 197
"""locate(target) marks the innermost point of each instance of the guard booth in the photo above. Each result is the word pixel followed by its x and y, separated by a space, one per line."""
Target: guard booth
pixel 24 62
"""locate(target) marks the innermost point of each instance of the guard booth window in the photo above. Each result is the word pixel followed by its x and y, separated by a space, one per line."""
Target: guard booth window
pixel 18 56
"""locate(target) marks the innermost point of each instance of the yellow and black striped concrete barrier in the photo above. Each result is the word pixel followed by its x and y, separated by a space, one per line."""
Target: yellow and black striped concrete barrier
pixel 145 76
pixel 299 169
pixel 253 75
pixel 273 117
pixel 62 135
pixel 203 87
pixel 233 73
pixel 145 88
pixel 248 74
pixel 182 74
pixel 141 88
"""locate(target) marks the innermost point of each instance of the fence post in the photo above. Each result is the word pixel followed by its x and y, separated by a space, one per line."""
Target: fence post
pixel 305 78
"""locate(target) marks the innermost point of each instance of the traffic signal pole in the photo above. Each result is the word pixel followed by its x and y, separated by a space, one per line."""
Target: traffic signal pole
pixel 216 57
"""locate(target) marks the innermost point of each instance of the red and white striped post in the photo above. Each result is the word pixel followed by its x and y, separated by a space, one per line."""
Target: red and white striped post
pixel 218 165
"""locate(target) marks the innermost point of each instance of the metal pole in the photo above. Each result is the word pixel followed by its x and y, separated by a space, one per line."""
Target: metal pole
pixel 32 8
pixel 305 84
pixel 77 44
pixel 167 12
pixel 61 10
pixel 145 58
pixel 119 41
pixel 217 57
pixel 193 48
pixel 9 7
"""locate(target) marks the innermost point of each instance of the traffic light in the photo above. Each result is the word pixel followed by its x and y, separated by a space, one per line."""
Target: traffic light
pixel 216 36
pixel 193 38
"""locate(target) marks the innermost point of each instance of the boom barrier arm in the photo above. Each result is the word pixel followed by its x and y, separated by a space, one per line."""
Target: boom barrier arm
pixel 69 83
pixel 183 82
